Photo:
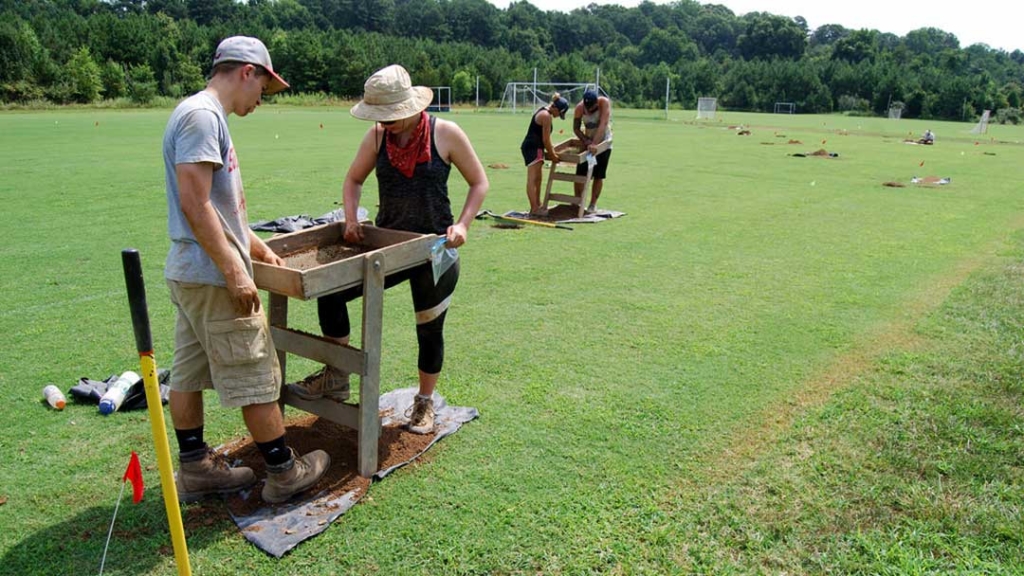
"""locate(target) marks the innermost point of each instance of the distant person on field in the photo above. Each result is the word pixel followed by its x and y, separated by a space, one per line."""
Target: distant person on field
pixel 928 137
pixel 592 124
pixel 221 339
pixel 412 154
pixel 537 146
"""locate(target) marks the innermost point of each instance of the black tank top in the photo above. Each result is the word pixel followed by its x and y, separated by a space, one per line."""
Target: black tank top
pixel 534 134
pixel 418 204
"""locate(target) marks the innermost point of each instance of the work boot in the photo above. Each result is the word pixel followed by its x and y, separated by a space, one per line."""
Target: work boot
pixel 328 382
pixel 294 476
pixel 421 415
pixel 203 472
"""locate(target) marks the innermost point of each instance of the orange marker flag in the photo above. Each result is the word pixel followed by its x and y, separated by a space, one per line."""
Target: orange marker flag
pixel 134 475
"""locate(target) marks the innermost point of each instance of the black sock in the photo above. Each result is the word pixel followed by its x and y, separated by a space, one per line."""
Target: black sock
pixel 275 452
pixel 190 440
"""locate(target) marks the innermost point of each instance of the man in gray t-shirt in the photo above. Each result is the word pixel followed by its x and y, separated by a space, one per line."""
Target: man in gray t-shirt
pixel 221 339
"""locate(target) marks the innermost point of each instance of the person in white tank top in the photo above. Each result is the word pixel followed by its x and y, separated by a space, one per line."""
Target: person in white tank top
pixel 592 124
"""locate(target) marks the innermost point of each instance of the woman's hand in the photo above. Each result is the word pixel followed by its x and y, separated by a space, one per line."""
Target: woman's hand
pixel 456 235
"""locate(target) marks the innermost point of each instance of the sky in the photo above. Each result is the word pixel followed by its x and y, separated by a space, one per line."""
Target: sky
pixel 993 22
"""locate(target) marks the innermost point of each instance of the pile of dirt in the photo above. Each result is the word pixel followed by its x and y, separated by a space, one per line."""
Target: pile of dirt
pixel 557 213
pixel 309 432
pixel 498 166
pixel 794 142
pixel 819 152
pixel 320 255
pixel 894 184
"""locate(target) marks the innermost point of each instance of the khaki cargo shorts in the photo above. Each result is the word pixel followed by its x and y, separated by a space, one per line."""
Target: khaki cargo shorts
pixel 215 348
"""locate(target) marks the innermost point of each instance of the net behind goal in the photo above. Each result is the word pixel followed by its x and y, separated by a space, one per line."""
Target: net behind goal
pixel 706 108
pixel 785 107
pixel 528 96
pixel 982 126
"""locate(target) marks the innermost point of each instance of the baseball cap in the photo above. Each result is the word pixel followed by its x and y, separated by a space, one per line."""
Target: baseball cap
pixel 250 51
pixel 589 97
pixel 562 104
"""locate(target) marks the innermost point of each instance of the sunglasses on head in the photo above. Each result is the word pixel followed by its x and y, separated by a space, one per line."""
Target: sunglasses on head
pixel 387 123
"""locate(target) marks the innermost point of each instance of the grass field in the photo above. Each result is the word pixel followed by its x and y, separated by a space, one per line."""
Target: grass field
pixel 770 365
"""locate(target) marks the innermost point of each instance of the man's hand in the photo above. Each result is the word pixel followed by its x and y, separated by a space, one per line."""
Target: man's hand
pixel 456 235
pixel 244 294
pixel 270 257
pixel 353 232
pixel 552 157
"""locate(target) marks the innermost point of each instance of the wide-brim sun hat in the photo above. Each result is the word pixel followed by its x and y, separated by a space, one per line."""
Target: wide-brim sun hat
pixel 389 95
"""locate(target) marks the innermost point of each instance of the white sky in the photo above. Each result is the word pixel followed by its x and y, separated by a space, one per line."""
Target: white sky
pixel 993 22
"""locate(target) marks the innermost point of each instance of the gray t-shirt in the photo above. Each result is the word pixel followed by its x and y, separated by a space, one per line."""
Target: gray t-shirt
pixel 198 132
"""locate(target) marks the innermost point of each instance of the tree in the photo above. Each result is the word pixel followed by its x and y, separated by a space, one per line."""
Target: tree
pixel 664 46
pixel 142 84
pixel 462 86
pixel 930 41
pixel 856 46
pixel 83 77
pixel 474 21
pixel 769 36
pixel 827 34
pixel 206 12
pixel 112 77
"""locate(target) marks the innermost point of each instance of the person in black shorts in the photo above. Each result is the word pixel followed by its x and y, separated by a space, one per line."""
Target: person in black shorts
pixel 412 154
pixel 537 145
pixel 592 124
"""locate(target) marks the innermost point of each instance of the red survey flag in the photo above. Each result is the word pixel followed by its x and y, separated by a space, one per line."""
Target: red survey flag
pixel 134 474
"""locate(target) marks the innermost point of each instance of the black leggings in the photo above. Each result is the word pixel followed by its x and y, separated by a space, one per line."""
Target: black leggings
pixel 429 301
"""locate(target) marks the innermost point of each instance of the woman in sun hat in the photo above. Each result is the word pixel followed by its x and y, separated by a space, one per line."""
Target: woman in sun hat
pixel 537 145
pixel 412 153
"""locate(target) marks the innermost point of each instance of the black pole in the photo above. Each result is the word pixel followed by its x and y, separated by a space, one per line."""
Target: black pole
pixel 137 299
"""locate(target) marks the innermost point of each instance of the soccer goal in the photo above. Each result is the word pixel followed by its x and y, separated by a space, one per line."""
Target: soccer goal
pixel 982 126
pixel 706 108
pixel 895 112
pixel 785 107
pixel 442 101
pixel 532 95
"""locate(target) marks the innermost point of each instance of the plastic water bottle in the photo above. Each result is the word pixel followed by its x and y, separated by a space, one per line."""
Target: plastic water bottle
pixel 54 397
pixel 116 392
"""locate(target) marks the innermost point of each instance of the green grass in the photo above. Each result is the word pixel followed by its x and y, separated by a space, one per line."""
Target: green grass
pixel 618 367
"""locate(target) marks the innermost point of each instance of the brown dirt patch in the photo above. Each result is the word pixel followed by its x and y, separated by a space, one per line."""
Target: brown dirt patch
pixel 894 184
pixel 819 152
pixel 320 255
pixel 309 432
pixel 557 213
pixel 498 166
pixel 794 142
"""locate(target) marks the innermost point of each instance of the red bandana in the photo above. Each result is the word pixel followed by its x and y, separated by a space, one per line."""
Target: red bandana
pixel 417 151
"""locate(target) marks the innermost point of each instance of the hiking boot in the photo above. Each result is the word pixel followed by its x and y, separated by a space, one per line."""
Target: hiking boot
pixel 294 476
pixel 421 415
pixel 328 382
pixel 203 472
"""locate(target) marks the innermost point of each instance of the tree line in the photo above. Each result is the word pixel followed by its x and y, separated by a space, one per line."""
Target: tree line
pixel 68 51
